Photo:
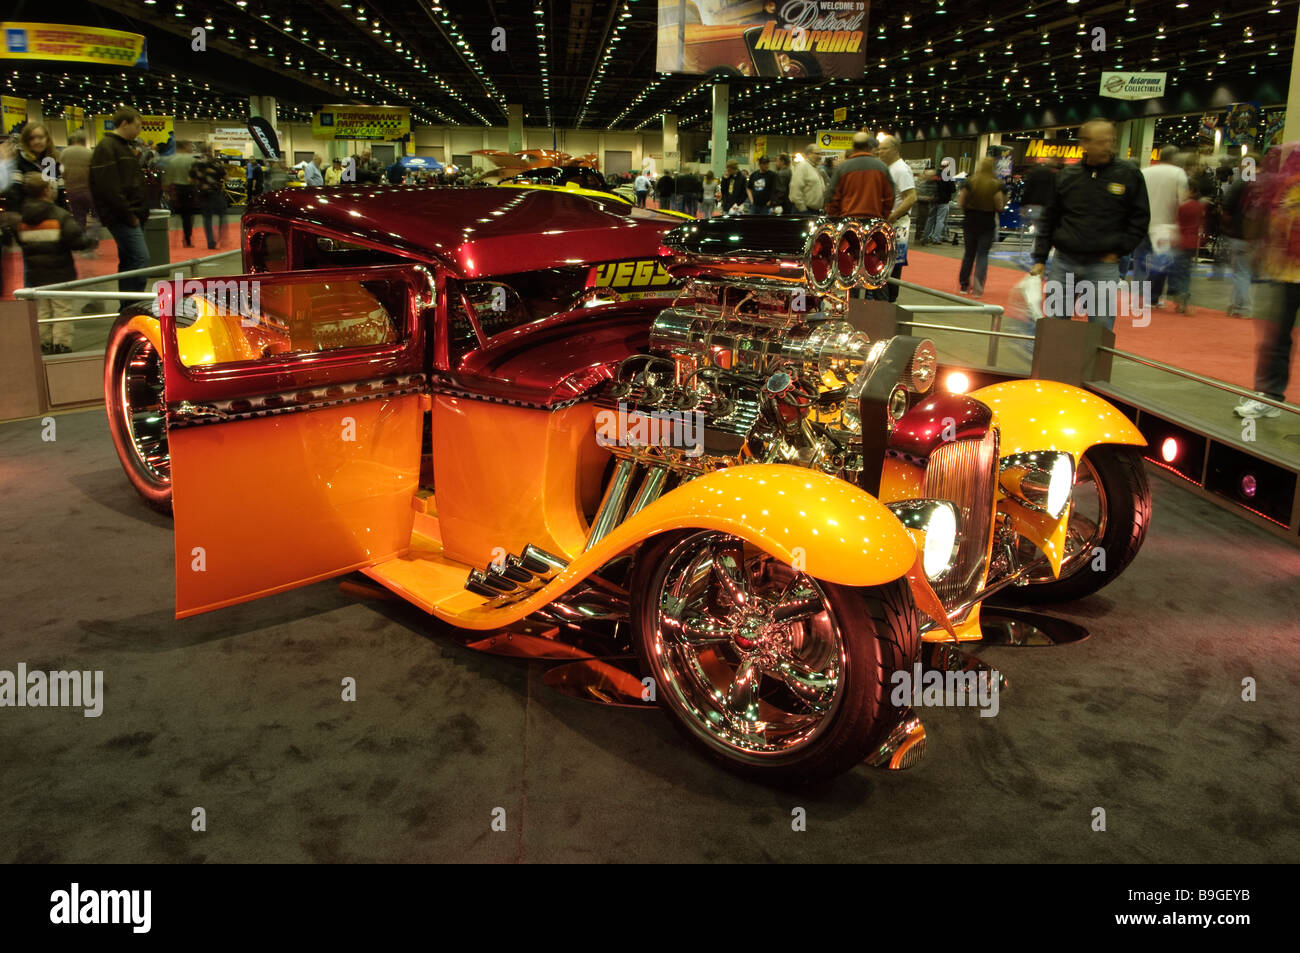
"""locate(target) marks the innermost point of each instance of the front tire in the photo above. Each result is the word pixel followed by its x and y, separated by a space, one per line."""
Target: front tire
pixel 1110 510
pixel 779 677
pixel 137 416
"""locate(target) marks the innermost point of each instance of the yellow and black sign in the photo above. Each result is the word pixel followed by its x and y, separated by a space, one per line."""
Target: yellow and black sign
pixel 15 114
pixel 361 122
pixel 646 278
pixel 73 44
pixel 1042 149
pixel 157 131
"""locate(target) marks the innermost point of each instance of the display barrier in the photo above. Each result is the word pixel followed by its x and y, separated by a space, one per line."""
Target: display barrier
pixel 1210 460
pixel 1257 485
pixel 31 383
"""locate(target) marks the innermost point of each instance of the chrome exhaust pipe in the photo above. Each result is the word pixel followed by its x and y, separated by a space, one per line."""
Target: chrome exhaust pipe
pixel 612 505
pixel 652 487
pixel 488 583
pixel 541 563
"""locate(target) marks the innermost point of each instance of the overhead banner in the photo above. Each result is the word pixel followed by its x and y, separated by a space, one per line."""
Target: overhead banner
pixel 15 113
pixel 158 132
pixel 1132 85
pixel 787 38
pixel 73 44
pixel 75 117
pixel 831 140
pixel 361 122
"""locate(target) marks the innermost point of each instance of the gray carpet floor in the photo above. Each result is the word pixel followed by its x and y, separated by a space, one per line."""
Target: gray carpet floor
pixel 239 712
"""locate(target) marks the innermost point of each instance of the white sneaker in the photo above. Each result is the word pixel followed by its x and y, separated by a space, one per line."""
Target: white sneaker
pixel 1253 408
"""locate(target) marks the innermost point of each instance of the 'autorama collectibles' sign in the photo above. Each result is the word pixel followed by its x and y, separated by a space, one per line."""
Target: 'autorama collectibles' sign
pixel 1132 85
pixel 831 140
pixel 361 122
pixel 74 44
pixel 794 39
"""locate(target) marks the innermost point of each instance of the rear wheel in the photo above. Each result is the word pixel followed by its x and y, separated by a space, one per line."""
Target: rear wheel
pixel 137 417
pixel 780 677
pixel 1110 509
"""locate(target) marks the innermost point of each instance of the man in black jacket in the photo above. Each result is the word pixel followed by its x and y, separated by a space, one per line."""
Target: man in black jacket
pixel 121 199
pixel 1098 212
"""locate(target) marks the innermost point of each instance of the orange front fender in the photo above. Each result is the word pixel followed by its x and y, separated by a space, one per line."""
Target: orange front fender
pixel 1048 415
pixel 826 526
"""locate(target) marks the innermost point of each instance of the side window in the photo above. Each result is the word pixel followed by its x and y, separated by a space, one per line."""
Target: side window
pixel 321 251
pixel 268 252
pixel 252 321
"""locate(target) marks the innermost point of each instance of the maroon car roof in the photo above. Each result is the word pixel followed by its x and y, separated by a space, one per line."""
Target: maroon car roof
pixel 476 231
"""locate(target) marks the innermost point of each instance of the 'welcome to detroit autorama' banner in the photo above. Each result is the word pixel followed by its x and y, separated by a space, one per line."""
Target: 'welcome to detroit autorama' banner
pixel 763 38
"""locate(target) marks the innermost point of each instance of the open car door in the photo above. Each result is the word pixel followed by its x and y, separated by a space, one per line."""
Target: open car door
pixel 294 424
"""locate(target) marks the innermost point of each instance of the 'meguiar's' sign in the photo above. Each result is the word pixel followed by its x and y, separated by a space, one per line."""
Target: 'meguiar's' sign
pixel 1042 149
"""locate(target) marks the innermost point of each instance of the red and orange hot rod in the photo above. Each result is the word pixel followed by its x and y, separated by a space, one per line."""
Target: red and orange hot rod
pixel 509 405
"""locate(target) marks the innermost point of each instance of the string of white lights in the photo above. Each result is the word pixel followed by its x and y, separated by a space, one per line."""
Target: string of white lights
pixel 539 12
pixel 624 15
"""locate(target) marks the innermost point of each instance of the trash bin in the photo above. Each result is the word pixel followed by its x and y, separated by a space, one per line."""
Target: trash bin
pixel 157 237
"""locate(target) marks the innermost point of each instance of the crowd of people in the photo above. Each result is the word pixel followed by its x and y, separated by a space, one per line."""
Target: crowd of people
pixel 1093 222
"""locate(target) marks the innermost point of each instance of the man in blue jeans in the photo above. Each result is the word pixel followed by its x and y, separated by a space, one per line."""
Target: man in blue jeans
pixel 121 198
pixel 1098 212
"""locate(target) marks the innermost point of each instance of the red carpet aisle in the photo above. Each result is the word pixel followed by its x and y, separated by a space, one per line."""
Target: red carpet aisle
pixel 1206 341
pixel 105 260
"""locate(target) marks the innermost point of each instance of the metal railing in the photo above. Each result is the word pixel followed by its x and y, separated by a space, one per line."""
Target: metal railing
pixel 964 306
pixel 1201 379
pixel 994 332
pixel 64 289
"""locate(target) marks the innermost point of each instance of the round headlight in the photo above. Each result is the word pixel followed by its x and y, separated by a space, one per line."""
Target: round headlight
pixel 940 541
pixel 819 261
pixel 1062 482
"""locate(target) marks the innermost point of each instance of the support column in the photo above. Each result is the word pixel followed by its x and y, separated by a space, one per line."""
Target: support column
pixel 672 153
pixel 1148 141
pixel 718 144
pixel 514 127
pixel 1291 131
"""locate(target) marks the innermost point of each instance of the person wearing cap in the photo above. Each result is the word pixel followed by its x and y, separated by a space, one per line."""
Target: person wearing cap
pixel 807 190
pixel 762 187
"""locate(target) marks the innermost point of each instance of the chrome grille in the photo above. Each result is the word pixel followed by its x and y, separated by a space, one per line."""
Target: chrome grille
pixel 965 473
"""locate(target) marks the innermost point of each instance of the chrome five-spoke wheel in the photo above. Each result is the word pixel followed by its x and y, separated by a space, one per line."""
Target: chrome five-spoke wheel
pixel 777 674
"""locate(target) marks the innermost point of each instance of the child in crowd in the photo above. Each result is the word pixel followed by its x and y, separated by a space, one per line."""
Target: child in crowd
pixel 1191 226
pixel 48 235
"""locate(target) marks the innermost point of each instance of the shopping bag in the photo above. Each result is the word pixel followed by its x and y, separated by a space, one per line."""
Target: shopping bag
pixel 1023 311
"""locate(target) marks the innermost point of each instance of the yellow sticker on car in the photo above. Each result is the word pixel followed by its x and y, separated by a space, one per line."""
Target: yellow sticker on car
pixel 646 273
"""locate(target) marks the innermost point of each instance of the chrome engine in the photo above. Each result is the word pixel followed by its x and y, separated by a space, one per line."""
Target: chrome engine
pixel 756 361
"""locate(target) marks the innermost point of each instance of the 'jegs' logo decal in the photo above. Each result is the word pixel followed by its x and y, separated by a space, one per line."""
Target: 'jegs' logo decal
pixel 649 273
